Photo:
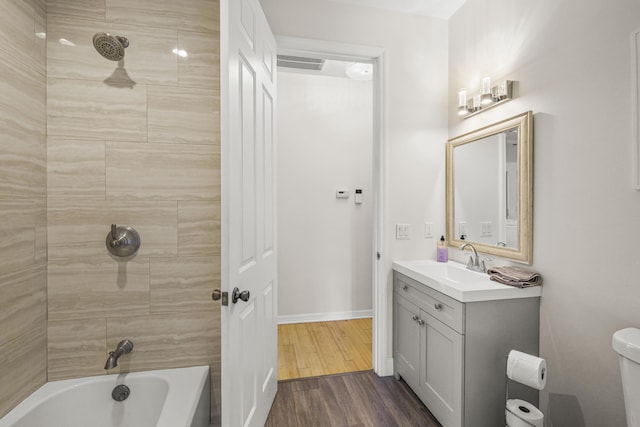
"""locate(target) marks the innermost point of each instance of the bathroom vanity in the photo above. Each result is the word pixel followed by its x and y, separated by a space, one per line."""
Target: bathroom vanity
pixel 453 329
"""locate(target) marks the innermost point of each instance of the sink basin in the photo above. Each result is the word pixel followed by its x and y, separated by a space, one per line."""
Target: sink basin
pixel 451 271
pixel 455 280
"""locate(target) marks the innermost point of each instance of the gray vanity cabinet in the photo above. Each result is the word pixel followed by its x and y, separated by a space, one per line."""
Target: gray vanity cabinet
pixel 453 354
pixel 407 335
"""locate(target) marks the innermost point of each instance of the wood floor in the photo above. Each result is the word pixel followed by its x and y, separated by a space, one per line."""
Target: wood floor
pixel 355 399
pixel 323 348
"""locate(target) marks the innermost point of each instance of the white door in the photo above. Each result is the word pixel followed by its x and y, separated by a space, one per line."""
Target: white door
pixel 249 257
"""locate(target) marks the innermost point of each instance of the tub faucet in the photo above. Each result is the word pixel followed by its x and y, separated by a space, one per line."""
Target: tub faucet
pixel 124 347
pixel 474 263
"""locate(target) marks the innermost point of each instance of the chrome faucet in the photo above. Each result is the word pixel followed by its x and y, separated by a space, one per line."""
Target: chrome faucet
pixel 474 263
pixel 124 347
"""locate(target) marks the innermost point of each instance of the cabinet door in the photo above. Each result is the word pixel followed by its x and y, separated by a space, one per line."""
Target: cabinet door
pixel 441 370
pixel 406 340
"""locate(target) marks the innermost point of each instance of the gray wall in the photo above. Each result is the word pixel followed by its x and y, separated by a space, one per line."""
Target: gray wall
pixel 572 63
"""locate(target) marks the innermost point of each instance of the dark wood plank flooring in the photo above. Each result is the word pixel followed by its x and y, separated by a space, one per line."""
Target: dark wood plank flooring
pixel 353 399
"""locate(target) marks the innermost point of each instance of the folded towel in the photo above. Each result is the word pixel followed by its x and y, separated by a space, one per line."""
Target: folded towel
pixel 515 276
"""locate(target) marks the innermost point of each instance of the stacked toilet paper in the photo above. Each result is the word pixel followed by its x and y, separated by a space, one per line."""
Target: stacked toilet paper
pixel 531 371
pixel 523 414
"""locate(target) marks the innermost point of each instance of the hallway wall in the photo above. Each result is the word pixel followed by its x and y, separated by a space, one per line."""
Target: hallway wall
pixel 325 143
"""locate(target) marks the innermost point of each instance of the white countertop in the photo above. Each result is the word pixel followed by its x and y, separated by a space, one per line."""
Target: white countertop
pixel 454 280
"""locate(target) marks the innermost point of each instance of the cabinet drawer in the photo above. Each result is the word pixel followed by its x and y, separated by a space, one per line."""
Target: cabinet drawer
pixel 444 308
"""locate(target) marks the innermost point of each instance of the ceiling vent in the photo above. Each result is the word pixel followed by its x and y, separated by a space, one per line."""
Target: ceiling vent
pixel 300 62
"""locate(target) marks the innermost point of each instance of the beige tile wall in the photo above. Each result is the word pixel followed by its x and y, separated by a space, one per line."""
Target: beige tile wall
pixel 23 257
pixel 134 143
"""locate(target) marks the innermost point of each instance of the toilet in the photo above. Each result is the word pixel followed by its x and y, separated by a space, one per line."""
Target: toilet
pixel 626 342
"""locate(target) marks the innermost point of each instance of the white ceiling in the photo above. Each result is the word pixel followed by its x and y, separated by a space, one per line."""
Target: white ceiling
pixel 435 8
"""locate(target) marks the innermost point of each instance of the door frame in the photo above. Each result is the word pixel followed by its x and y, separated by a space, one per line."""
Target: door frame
pixel 381 358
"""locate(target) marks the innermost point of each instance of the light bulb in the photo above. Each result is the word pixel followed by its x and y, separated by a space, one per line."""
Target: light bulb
pixel 462 102
pixel 462 98
pixel 486 91
pixel 486 85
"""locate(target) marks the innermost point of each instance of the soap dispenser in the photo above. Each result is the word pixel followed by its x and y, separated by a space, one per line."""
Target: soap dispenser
pixel 442 253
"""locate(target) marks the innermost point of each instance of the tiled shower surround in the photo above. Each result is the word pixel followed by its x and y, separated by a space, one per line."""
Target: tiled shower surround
pixel 136 143
pixel 23 200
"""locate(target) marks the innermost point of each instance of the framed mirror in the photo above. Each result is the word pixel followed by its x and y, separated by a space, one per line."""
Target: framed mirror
pixel 490 189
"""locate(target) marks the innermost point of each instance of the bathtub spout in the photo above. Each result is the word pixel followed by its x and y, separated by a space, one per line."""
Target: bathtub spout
pixel 124 347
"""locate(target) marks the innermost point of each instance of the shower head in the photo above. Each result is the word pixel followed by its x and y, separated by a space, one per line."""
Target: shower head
pixel 110 47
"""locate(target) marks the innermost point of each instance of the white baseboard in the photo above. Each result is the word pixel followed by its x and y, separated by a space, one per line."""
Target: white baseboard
pixel 324 317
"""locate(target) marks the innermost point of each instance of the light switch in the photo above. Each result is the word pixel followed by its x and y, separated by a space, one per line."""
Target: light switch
pixel 402 231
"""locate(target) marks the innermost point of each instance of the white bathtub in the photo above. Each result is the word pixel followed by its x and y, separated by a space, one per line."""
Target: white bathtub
pixel 165 398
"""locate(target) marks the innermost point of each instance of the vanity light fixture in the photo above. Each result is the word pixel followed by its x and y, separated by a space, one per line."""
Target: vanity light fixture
pixel 489 97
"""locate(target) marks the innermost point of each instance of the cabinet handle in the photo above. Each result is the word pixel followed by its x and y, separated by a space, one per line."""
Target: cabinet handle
pixel 405 288
pixel 415 318
pixel 437 306
pixel 420 322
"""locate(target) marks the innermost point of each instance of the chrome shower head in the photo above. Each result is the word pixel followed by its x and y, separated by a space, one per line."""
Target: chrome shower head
pixel 110 47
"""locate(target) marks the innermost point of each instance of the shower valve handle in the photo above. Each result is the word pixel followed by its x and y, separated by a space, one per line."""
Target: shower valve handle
pixel 114 237
pixel 122 241
pixel 115 240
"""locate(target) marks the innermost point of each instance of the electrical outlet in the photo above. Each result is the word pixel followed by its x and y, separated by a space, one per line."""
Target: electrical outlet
pixel 402 231
pixel 428 233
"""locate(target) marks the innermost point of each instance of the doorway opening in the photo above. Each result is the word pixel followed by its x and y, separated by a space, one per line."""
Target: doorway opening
pixel 331 210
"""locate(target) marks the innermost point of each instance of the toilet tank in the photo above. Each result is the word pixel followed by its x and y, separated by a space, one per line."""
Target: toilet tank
pixel 626 342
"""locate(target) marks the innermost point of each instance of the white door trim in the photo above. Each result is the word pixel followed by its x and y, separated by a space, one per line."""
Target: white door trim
pixel 382 360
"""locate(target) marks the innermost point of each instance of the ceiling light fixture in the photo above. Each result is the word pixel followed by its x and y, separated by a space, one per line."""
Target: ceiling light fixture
pixel 359 71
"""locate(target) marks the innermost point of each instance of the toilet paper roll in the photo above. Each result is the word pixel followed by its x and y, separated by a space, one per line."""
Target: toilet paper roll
pixel 520 413
pixel 527 369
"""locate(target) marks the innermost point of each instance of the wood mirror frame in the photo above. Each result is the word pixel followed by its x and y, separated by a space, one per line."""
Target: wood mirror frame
pixel 523 250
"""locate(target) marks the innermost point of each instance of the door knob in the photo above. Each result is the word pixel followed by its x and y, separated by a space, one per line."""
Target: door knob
pixel 236 295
